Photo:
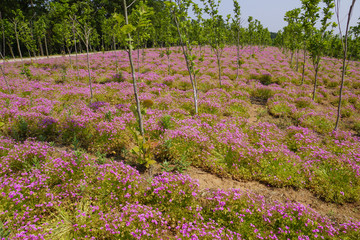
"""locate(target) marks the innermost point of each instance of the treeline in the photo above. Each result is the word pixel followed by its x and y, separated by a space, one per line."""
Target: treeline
pixel 41 27
pixel 301 33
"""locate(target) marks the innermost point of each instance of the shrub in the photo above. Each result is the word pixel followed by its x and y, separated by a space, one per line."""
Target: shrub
pixel 262 93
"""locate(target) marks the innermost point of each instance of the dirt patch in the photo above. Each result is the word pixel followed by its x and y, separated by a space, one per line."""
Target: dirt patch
pixel 256 112
pixel 337 213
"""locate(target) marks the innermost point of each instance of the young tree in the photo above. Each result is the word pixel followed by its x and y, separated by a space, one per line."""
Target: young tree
pixel 217 31
pixel 86 33
pixel 74 26
pixel 127 29
pixel 293 33
pixel 179 11
pixel 197 32
pixel 237 27
pixel 110 30
pixel 140 19
pixel 317 43
pixel 167 34
pixel 309 18
pixel 63 33
pixel 40 32
pixel 344 41
pixel 16 22
pixel 354 47
pixel 251 33
pixel 9 36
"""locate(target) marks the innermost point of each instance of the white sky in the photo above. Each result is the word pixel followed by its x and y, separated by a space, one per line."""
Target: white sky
pixel 271 12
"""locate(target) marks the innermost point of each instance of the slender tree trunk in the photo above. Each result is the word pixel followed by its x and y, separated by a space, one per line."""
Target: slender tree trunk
pixel 315 82
pixel 192 75
pixel 138 59
pixel 6 82
pixel 291 59
pixel 116 58
pixel 76 54
pixel 133 76
pixel 69 52
pixel 11 51
pixel 303 68
pixel 219 68
pixel 88 65
pixel 345 47
pixel 18 44
pixel 297 60
pixel 40 47
pixel 3 36
pixel 34 54
pixel 168 58
pixel 237 56
pixel 29 53
pixel 46 47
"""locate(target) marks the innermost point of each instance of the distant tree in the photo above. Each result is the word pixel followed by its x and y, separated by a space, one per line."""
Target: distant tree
pixel 17 22
pixel 167 34
pixel 87 34
pixel 216 31
pixel 140 19
pixel 292 33
pixel 40 33
pixel 110 31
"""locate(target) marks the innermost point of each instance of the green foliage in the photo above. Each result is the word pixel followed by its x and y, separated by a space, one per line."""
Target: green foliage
pixel 280 109
pixel 4 233
pixel 262 93
pixel 26 72
pixel 335 183
pixel 147 103
pixel 20 131
pixel 26 164
pixel 319 123
pixel 166 122
pixel 143 150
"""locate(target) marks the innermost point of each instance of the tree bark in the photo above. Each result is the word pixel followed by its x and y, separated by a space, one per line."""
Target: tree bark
pixel 46 47
pixel 88 65
pixel 133 76
pixel 192 75
pixel 116 58
pixel 3 36
pixel 18 43
pixel 315 83
pixel 11 50
pixel 303 68
pixel 345 46
pixel 40 46
pixel 3 73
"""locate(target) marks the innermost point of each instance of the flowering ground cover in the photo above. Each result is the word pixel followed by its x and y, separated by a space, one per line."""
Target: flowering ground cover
pixel 262 126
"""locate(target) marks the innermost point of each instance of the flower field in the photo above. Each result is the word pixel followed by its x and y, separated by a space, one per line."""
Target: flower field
pixel 72 168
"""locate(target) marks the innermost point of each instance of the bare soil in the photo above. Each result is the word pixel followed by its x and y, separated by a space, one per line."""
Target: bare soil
pixel 337 213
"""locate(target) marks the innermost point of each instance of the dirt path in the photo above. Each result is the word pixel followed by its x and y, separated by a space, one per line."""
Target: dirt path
pixel 338 213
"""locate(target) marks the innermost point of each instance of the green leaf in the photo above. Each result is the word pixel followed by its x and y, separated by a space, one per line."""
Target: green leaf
pixel 135 150
pixel 149 162
pixel 126 29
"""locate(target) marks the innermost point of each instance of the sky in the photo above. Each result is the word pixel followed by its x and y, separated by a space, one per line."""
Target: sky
pixel 271 12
